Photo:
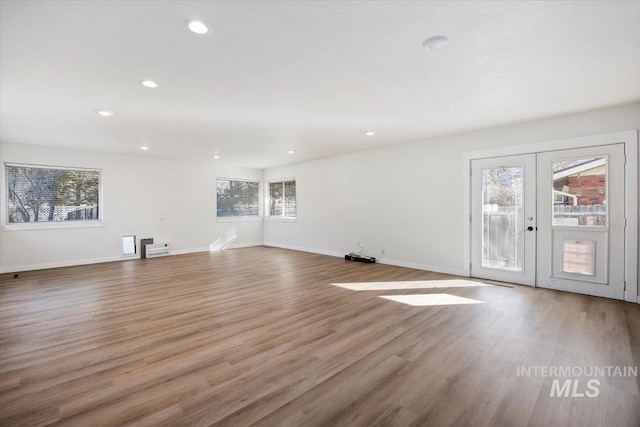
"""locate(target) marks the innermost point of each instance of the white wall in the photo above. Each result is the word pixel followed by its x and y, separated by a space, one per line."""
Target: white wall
pixel 341 200
pixel 135 190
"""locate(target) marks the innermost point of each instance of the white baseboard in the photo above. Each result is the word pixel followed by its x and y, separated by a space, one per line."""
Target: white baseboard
pixel 197 250
pixel 426 267
pixel 187 251
pixel 301 249
pixel 244 245
pixel 59 264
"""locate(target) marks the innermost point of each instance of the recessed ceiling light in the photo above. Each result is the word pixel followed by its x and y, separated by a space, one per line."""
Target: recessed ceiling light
pixel 216 157
pixel 144 148
pixel 291 152
pixel 370 133
pixel 149 83
pixel 435 42
pixel 197 27
pixel 105 113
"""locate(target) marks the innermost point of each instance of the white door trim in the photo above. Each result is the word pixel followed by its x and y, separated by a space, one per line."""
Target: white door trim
pixel 628 138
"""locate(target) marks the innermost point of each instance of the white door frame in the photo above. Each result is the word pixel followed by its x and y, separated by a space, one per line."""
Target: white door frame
pixel 628 138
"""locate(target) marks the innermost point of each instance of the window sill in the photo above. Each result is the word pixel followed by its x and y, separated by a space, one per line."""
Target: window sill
pixel 23 226
pixel 238 218
pixel 280 219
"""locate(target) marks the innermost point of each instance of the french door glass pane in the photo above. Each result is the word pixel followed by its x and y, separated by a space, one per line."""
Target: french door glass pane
pixel 503 218
pixel 580 192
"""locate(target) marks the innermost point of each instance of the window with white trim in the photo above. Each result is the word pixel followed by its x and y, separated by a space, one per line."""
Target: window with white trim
pixel 282 198
pixel 50 194
pixel 237 198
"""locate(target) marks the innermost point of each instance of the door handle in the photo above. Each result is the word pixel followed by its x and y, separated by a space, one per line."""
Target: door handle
pixel 529 228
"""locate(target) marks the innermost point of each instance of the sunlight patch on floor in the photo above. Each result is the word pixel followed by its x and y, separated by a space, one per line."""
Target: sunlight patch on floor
pixel 422 300
pixel 419 284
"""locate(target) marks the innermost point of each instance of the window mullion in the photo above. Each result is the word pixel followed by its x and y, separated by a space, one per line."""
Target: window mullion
pixel 284 200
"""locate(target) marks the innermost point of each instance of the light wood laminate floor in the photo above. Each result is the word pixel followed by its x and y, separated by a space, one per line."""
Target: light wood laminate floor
pixel 262 335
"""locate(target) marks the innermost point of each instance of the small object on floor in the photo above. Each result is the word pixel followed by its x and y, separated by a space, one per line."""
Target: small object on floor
pixel 359 258
pixel 15 276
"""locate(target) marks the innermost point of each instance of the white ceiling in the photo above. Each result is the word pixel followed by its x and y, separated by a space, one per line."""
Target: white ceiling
pixel 309 76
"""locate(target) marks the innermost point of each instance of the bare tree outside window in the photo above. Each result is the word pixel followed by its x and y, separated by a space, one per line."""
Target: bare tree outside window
pixel 503 218
pixel 47 194
pixel 282 199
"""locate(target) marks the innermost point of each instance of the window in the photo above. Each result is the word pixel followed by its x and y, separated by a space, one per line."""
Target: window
pixel 282 199
pixel 580 192
pixel 503 218
pixel 44 194
pixel 237 198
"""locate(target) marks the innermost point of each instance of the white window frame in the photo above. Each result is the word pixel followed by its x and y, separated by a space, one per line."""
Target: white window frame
pixel 267 197
pixel 47 225
pixel 242 218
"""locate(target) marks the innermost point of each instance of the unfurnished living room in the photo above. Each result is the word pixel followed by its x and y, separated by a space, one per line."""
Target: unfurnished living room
pixel 319 213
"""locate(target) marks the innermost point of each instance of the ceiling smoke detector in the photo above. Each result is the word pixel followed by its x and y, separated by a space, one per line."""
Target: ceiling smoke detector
pixel 435 42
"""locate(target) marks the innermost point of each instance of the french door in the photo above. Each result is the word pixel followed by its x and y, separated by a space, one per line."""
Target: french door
pixel 503 209
pixel 552 219
pixel 581 227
